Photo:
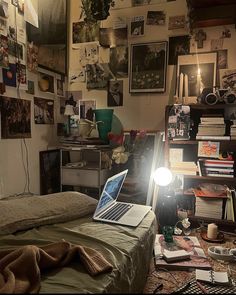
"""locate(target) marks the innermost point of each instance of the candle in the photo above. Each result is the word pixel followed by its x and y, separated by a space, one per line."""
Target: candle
pixel 186 87
pixel 181 84
pixel 212 231
pixel 198 82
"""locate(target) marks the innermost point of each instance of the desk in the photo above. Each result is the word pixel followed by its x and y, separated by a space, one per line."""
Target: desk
pixel 171 280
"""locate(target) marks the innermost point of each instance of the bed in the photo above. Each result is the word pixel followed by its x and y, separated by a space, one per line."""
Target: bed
pixel 67 216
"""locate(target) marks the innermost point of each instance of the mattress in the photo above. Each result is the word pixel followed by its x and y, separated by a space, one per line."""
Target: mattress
pixel 128 249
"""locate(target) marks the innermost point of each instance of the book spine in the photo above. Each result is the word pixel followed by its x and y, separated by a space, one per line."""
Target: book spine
pixel 220 175
pixel 213 137
pixel 218 169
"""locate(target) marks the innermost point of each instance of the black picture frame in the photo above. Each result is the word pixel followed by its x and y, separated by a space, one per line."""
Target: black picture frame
pixel 148 64
pixel 51 36
pixel 50 175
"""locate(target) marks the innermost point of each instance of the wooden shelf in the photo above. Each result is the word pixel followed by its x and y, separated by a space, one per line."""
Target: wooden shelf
pixel 207 13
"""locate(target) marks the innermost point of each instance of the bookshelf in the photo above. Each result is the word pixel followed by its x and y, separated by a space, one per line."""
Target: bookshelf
pixel 189 149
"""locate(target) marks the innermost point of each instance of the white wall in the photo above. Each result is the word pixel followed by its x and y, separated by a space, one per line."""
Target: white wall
pixel 147 110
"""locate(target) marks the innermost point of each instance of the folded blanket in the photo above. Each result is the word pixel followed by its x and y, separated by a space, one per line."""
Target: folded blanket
pixel 20 268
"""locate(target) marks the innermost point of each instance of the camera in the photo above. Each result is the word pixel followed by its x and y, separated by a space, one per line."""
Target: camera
pixel 211 97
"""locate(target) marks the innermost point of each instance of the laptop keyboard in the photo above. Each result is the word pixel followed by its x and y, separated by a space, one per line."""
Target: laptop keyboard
pixel 116 212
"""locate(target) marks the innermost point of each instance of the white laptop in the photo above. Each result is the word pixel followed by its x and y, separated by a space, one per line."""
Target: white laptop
pixel 109 210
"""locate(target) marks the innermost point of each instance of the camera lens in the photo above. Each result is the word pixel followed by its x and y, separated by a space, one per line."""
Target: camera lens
pixel 211 99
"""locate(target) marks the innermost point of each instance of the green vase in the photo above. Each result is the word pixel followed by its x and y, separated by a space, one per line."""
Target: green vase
pixel 104 127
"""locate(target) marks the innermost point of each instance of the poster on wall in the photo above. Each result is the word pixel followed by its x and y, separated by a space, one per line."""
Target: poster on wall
pixel 137 26
pixel 43 111
pixel 15 117
pixel 119 61
pixel 51 35
pixel 148 64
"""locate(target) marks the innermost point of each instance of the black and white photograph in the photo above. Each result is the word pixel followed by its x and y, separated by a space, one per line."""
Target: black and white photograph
pixel 137 26
pixel 98 76
pixel 119 61
pixel 176 22
pixel 85 32
pixel 51 35
pixel 148 65
pixel 15 118
pixel 115 93
pixel 222 59
pixel 43 111
pixel 156 18
pixel 86 108
pixel 145 2
pixel 109 37
pixel 227 78
pixel 200 69
pixel 178 45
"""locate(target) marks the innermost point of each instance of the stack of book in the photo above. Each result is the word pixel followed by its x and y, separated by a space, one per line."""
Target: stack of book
pixel 233 132
pixel 185 168
pixel 212 127
pixel 205 207
pixel 216 167
pixel 230 208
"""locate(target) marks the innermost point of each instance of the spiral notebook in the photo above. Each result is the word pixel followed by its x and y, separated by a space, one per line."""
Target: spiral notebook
pixel 191 287
pixel 214 277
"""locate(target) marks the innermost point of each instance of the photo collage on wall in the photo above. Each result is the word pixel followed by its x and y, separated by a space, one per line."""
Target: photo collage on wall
pixel 33 42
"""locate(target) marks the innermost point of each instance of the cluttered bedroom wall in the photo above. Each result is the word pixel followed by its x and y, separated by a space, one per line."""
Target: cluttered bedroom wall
pixel 32 80
pixel 120 44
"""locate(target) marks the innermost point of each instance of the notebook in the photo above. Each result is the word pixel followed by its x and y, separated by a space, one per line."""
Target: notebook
pixel 214 277
pixel 109 210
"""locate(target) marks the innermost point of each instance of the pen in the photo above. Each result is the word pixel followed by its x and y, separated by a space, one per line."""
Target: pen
pixel 203 289
pixel 185 287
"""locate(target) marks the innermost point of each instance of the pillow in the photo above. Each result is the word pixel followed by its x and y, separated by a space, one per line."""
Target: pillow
pixel 28 212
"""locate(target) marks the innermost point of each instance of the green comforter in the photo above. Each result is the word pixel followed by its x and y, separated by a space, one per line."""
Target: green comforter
pixel 128 249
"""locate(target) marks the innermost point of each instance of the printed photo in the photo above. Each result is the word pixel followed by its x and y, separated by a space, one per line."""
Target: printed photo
pixel 86 108
pixel 45 82
pixel 177 22
pixel 109 37
pixel 15 118
pixel 156 18
pixel 43 111
pixel 137 26
pixel 32 57
pixel 115 93
pixel 9 75
pixel 4 59
pixel 222 59
pixel 98 76
pixel 119 61
pixel 227 78
pixel 85 32
pixel 60 88
pixel 178 45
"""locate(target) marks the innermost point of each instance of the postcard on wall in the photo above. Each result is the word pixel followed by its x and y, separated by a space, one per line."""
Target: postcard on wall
pixel 45 82
pixel 121 4
pixel 227 78
pixel 222 59
pixel 21 28
pixel 77 75
pixel 43 111
pixel 21 76
pixel 15 118
pixel 156 18
pixel 3 26
pixel 60 87
pixel 4 58
pixel 86 108
pixel 109 37
pixel 137 26
pixel 85 32
pixel 32 57
pixel 98 76
pixel 89 53
pixel 208 149
pixel 175 155
pixel 177 22
pixel 3 8
pixel 31 12
pixel 119 61
pixel 9 75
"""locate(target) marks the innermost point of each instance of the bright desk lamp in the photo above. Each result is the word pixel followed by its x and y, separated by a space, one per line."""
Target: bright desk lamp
pixel 162 177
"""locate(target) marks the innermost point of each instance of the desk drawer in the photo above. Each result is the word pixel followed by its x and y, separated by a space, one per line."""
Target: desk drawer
pixel 84 177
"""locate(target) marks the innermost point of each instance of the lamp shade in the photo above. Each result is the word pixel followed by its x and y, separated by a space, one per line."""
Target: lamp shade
pixel 162 176
pixel 69 110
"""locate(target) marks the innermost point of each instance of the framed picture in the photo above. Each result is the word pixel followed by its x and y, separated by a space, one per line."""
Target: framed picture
pixel 49 163
pixel 43 111
pixel 148 62
pixel 51 35
pixel 15 117
pixel 201 72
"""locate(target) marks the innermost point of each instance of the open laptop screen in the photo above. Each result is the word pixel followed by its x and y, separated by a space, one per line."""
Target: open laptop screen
pixel 111 191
